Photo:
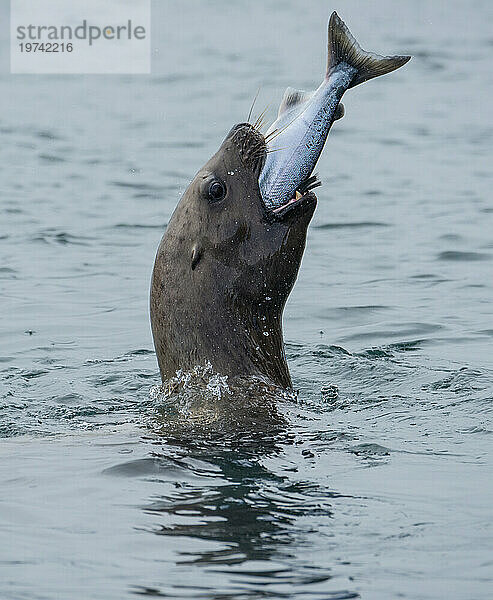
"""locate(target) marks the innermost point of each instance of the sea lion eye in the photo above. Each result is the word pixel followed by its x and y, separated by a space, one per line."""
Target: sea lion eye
pixel 217 191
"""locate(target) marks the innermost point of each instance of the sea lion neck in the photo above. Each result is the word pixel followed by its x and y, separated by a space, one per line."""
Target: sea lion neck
pixel 225 310
pixel 223 330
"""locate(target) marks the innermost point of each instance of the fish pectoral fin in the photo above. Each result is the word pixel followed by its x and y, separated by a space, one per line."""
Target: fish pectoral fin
pixel 339 113
pixel 293 98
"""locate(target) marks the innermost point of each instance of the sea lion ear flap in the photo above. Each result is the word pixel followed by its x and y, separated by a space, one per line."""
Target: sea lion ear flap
pixel 196 256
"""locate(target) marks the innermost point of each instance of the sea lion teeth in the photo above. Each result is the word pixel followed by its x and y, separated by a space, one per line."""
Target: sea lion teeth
pixel 298 195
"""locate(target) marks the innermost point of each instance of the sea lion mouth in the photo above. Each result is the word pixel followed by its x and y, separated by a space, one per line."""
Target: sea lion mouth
pixel 302 198
pixel 252 148
pixel 295 207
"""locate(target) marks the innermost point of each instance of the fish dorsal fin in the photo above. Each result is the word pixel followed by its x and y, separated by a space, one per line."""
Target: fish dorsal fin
pixel 292 98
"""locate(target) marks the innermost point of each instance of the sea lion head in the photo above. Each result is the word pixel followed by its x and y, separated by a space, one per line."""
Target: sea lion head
pixel 225 267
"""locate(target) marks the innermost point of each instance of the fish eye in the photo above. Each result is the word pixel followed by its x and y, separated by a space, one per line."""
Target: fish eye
pixel 217 191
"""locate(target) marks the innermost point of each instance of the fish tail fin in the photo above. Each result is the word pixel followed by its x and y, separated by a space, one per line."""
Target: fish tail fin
pixel 342 47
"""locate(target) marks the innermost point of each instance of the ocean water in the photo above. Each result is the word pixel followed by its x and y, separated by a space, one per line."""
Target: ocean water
pixel 378 484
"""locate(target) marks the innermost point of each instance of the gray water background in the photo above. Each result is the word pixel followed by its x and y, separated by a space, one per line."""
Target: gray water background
pixel 384 492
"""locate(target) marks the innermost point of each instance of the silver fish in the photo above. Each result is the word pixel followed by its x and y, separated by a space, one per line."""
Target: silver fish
pixel 296 139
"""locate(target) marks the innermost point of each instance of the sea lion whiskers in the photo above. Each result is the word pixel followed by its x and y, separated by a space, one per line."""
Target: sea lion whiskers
pixel 271 135
pixel 260 119
pixel 253 104
pixel 251 145
pixel 270 150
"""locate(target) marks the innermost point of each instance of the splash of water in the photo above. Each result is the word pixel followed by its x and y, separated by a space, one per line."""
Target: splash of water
pixel 202 398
